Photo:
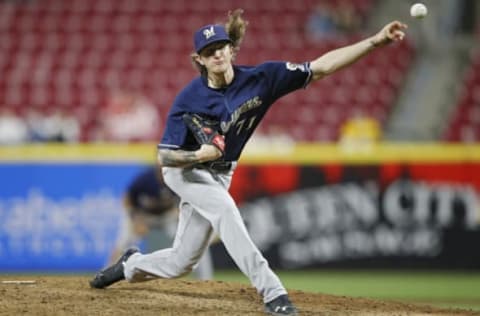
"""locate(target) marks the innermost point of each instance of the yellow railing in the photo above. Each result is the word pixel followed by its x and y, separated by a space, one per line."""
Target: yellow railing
pixel 303 153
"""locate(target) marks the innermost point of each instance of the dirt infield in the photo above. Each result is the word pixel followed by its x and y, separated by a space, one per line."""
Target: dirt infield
pixel 71 295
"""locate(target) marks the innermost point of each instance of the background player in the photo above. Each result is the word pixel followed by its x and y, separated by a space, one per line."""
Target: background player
pixel 151 208
pixel 238 97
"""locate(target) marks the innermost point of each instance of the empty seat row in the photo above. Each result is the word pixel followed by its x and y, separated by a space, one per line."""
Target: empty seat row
pixel 71 55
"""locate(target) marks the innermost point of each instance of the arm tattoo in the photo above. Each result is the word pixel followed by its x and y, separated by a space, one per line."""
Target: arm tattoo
pixel 177 158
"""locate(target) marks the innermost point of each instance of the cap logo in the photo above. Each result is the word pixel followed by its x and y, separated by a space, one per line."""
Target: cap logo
pixel 209 32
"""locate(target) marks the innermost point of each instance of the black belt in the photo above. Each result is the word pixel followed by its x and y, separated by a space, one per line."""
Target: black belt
pixel 216 165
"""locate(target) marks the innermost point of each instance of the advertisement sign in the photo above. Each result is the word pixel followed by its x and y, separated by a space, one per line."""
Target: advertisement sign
pixel 316 206
pixel 60 216
pixel 380 215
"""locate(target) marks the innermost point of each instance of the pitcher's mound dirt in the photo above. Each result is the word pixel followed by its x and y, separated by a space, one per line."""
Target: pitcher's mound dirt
pixel 71 295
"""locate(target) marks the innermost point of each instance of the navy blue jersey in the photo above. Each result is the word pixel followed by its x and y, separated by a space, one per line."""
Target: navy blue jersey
pixel 239 107
pixel 147 193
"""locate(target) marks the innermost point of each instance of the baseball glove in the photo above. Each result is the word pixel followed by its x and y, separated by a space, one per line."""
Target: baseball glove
pixel 204 130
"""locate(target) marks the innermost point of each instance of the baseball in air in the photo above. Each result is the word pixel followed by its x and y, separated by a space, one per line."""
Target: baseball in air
pixel 418 10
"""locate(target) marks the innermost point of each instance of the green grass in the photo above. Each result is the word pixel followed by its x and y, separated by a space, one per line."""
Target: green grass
pixel 438 288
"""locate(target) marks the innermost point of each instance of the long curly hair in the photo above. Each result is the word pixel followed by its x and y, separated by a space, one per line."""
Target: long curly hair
pixel 236 28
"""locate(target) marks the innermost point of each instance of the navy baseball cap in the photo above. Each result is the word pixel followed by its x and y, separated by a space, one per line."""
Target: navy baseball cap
pixel 210 34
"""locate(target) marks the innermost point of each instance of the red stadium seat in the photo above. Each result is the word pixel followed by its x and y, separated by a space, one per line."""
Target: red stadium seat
pixel 464 124
pixel 60 53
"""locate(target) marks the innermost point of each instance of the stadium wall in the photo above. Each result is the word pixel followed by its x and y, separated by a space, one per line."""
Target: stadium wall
pixel 387 205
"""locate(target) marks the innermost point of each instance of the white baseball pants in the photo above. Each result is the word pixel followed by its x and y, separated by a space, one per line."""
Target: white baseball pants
pixel 206 207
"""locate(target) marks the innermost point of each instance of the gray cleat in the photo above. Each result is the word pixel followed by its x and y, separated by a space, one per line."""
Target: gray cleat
pixel 113 273
pixel 281 306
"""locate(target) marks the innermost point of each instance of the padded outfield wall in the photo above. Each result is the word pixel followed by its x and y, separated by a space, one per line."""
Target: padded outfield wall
pixel 391 205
